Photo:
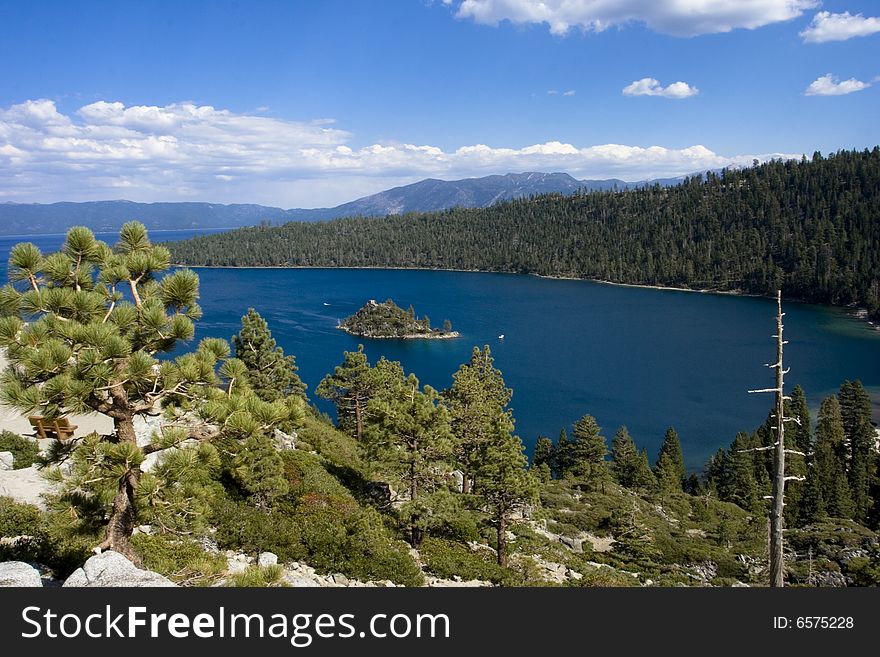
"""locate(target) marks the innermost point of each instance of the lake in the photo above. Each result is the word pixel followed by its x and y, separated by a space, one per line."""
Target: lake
pixel 641 357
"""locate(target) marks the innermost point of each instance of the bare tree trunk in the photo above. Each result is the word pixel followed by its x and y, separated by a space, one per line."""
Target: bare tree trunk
pixel 415 533
pixel 123 516
pixel 777 512
pixel 501 544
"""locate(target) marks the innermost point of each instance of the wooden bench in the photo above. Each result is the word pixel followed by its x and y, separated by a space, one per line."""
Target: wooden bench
pixel 60 428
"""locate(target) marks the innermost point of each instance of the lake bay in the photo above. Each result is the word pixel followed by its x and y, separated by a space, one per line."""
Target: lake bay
pixel 641 357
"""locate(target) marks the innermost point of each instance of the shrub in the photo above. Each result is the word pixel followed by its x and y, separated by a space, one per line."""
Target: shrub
pixel 330 533
pixel 53 539
pixel 25 452
pixel 445 558
pixel 182 561
pixel 258 577
pixel 335 446
pixel 17 519
pixel 243 527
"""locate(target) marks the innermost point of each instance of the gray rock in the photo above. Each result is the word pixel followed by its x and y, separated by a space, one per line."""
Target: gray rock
pixel 574 544
pixel 145 426
pixel 284 441
pixel 299 582
pixel 458 478
pixel 113 569
pixel 7 461
pixel 829 578
pixel 340 579
pixel 237 563
pixel 267 559
pixel 18 573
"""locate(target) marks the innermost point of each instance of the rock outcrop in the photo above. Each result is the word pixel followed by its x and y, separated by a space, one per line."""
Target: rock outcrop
pixel 113 569
pixel 18 573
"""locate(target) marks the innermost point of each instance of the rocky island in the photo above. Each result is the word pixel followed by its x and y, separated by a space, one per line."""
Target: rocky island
pixel 388 320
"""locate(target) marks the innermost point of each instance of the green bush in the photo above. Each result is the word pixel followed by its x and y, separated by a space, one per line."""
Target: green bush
pixel 182 561
pixel 337 447
pixel 243 527
pixel 53 540
pixel 25 452
pixel 305 473
pixel 332 534
pixel 445 558
pixel 17 519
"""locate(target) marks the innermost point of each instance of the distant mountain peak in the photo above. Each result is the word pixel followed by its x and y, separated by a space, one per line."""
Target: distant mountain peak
pixel 426 195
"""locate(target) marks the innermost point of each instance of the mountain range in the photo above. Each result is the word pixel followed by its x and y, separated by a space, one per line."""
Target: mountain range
pixel 423 196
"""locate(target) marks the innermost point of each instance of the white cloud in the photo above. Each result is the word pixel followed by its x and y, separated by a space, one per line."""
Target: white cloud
pixel 828 85
pixel 839 27
pixel 570 92
pixel 675 17
pixel 188 152
pixel 652 87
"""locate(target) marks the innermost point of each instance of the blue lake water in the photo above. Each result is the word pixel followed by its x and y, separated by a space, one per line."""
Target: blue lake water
pixel 640 357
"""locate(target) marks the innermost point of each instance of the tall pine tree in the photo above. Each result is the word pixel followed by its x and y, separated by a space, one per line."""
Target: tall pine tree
pixel 477 396
pixel 588 450
pixel 670 470
pixel 271 374
pixel 625 458
pixel 829 460
pixel 409 432
pixel 855 411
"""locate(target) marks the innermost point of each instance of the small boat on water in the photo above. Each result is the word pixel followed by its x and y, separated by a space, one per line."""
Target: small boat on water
pixel 326 304
pixel 501 337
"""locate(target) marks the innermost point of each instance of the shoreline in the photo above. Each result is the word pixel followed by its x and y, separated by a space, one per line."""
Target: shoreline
pixel 856 313
pixel 411 336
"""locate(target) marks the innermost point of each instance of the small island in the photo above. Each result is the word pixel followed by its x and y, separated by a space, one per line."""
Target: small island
pixel 388 320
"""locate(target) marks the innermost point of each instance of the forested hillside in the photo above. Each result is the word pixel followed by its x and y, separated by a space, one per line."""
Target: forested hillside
pixel 238 480
pixel 810 227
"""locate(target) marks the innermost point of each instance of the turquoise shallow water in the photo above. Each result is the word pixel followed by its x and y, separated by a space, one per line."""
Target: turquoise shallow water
pixel 641 357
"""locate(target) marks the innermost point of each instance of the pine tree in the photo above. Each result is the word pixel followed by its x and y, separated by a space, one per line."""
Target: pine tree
pixel 478 394
pixel 855 410
pixel 563 454
pixel 715 469
pixel 259 470
pixel 670 462
pixel 271 374
pixel 812 503
pixel 829 460
pixel 410 433
pixel 738 478
pixel 351 386
pixel 87 348
pixel 588 450
pixel 803 430
pixel 625 458
pixel 544 453
pixel 502 479
pixel 644 478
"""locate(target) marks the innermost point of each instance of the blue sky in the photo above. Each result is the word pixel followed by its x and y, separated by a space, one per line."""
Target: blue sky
pixel 302 104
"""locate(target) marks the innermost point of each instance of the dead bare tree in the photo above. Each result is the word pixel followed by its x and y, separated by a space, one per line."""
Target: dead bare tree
pixel 777 498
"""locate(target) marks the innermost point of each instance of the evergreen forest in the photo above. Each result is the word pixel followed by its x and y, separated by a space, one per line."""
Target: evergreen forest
pixel 807 227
